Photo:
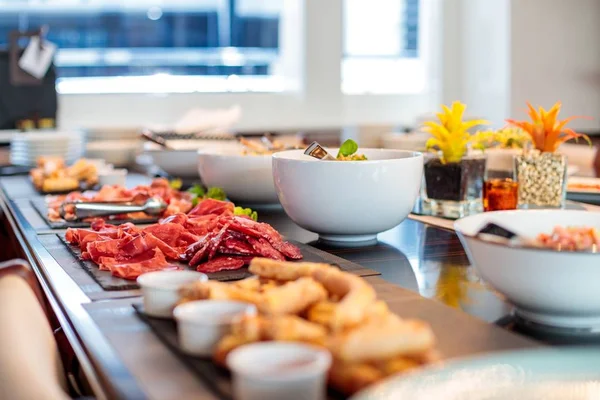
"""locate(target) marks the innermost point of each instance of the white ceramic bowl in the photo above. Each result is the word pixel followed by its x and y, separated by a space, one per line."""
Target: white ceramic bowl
pixel 546 286
pixel 160 290
pixel 348 201
pixel 247 179
pixel 176 163
pixel 202 323
pixel 279 370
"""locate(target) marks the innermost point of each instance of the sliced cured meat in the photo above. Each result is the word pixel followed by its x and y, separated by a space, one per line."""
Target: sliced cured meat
pixel 233 245
pixel 211 206
pixel 173 234
pixel 131 269
pixel 144 243
pixel 105 248
pixel 221 264
pixel 178 218
pixel 216 241
pixel 264 248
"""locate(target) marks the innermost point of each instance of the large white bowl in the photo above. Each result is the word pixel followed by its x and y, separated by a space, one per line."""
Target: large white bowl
pixel 348 201
pixel 247 179
pixel 546 286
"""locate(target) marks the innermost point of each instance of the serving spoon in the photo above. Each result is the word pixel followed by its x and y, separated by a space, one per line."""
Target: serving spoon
pixel 82 210
pixel 317 151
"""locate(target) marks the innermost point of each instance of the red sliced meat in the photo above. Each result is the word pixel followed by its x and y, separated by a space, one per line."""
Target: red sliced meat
pixel 179 218
pixel 143 243
pixel 211 206
pixel 221 264
pixel 233 245
pixel 131 269
pixel 174 235
pixel 105 248
pixel 216 241
pixel 264 248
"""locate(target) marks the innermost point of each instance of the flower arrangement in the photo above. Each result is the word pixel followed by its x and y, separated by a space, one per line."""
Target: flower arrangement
pixel 547 132
pixel 507 138
pixel 450 133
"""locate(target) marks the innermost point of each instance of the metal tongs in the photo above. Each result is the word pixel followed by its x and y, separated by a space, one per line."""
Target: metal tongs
pixel 82 210
pixel 494 233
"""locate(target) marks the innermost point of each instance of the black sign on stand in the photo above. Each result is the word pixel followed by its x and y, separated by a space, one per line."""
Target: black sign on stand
pixel 22 96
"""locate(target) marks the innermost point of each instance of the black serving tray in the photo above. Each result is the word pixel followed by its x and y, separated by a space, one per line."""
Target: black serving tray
pixel 109 282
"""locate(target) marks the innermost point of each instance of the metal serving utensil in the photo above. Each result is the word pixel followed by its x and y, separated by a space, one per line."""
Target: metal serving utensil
pixel 151 137
pixel 82 210
pixel 317 151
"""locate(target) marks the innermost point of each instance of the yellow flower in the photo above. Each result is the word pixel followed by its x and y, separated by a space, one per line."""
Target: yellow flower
pixel 546 130
pixel 451 135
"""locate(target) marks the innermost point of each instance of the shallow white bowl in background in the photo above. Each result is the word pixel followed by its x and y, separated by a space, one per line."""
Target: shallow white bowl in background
pixel 279 370
pixel 160 290
pixel 348 201
pixel 120 153
pixel 247 179
pixel 202 324
pixel 546 286
pixel 176 163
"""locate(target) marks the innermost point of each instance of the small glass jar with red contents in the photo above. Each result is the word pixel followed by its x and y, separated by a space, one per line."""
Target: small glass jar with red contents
pixel 500 194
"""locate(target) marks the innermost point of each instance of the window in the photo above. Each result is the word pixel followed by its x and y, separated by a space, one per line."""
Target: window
pixel 289 64
pixel 381 47
pixel 156 46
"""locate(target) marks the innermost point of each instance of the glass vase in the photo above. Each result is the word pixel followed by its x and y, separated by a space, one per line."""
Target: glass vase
pixel 542 179
pixel 454 190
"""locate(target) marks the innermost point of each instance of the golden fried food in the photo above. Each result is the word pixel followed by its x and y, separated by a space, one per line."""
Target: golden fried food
pixel 51 175
pixel 63 184
pixel 322 305
pixel 284 328
pixel 352 377
pixel 382 338
pixel 292 297
pixel 355 294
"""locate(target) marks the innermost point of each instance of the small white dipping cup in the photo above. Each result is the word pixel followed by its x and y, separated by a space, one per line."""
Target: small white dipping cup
pixel 202 324
pixel 279 370
pixel 160 290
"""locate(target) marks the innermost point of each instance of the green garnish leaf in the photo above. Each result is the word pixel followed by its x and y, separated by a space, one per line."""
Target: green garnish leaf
pixel 246 211
pixel 216 194
pixel 176 184
pixel 198 190
pixel 348 148
pixel 195 200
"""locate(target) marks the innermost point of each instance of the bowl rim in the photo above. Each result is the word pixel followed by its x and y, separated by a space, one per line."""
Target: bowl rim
pixel 525 249
pixel 232 153
pixel 413 155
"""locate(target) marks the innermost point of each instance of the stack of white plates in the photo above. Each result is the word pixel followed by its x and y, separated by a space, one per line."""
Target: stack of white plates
pixel 27 147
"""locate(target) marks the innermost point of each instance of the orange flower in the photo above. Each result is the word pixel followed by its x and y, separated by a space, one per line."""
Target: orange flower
pixel 546 130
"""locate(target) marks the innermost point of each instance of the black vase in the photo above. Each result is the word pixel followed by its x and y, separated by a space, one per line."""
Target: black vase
pixel 459 183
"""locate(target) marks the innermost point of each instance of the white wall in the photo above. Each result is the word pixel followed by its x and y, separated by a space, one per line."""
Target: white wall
pixel 513 51
pixel 555 51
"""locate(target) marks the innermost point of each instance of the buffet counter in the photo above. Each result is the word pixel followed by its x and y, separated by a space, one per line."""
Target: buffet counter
pixel 415 268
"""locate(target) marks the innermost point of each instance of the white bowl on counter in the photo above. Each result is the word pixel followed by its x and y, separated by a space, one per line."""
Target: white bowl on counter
pixel 160 290
pixel 247 179
pixel 546 286
pixel 348 201
pixel 120 153
pixel 176 163
pixel 279 370
pixel 201 324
